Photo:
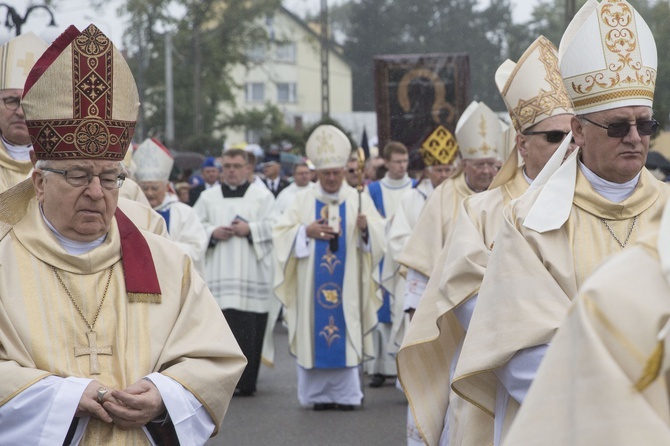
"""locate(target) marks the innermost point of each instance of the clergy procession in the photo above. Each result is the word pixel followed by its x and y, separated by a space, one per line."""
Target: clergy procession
pixel 507 276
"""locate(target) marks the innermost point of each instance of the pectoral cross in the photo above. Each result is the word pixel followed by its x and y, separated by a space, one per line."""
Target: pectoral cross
pixel 93 351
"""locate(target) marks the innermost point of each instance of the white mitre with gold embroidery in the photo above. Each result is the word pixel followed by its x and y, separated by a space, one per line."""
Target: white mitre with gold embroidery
pixel 479 132
pixel 607 57
pixel 328 147
pixel 17 58
pixel 153 160
pixel 533 91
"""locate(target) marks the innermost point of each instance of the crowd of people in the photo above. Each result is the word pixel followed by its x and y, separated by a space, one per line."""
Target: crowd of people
pixel 489 286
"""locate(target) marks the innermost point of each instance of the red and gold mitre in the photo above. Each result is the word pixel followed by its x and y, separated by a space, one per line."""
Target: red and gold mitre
pixel 440 147
pixel 80 99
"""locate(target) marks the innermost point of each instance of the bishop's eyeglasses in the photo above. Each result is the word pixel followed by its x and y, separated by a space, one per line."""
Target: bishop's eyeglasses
pixel 81 178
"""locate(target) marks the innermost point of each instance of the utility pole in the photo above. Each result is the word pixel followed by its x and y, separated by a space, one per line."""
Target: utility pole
pixel 169 91
pixel 325 89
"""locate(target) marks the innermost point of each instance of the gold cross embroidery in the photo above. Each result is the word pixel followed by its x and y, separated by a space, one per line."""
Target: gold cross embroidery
pixel 27 63
pixel 93 351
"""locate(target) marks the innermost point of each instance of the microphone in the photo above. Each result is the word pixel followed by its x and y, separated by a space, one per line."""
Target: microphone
pixel 334 243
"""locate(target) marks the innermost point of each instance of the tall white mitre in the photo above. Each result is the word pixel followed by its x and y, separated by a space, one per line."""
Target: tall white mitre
pixel 532 90
pixel 328 147
pixel 479 132
pixel 17 58
pixel 607 58
pixel 153 160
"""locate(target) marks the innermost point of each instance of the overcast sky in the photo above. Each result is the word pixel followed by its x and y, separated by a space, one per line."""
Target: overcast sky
pixel 522 8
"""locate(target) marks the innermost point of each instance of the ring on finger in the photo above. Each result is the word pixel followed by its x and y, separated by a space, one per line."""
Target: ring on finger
pixel 101 394
pixel 321 234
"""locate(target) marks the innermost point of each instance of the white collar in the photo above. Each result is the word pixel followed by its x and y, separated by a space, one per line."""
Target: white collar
pixel 396 184
pixel 615 192
pixel 167 202
pixel 72 246
pixel 18 153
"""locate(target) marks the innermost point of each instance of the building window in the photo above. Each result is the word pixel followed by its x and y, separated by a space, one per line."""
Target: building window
pixel 286 92
pixel 256 53
pixel 255 92
pixel 286 53
pixel 253 136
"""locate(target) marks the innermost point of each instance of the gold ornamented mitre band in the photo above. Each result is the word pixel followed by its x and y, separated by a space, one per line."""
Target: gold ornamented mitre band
pixel 80 99
pixel 534 89
pixel 608 58
pixel 439 148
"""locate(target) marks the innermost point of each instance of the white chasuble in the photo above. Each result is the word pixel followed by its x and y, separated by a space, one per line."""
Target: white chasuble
pixel 44 334
pixel 295 277
pixel 430 347
pixel 598 384
pixel 532 277
pixel 12 171
pixel 433 230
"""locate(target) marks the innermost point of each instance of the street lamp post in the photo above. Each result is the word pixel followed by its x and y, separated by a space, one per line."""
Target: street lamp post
pixel 15 20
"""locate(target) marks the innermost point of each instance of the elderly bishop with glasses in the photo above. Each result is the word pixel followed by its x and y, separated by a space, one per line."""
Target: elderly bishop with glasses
pixel 107 333
pixel 596 204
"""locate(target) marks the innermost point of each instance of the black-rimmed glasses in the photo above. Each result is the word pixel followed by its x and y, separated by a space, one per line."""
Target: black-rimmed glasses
pixel 81 178
pixel 621 129
pixel 12 102
pixel 552 136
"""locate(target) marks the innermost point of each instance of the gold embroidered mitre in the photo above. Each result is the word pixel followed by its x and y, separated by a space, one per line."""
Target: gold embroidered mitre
pixel 328 147
pixel 153 161
pixel 532 88
pixel 607 57
pixel 80 99
pixel 17 58
pixel 439 148
pixel 479 132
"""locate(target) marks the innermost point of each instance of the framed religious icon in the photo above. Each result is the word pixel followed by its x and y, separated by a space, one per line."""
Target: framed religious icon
pixel 414 93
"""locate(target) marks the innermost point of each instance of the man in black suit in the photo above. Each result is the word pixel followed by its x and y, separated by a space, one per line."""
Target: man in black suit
pixel 273 179
pixel 210 175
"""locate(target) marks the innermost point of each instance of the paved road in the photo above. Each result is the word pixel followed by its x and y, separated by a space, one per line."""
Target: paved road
pixel 273 417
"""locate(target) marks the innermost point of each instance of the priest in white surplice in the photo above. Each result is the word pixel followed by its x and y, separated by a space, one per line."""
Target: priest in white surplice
pixel 153 164
pixel 326 251
pixel 385 194
pixel 108 336
pixel 238 218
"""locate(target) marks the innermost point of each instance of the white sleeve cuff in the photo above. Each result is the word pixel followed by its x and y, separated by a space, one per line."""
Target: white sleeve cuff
pixel 414 288
pixel 301 249
pixel 518 374
pixel 191 421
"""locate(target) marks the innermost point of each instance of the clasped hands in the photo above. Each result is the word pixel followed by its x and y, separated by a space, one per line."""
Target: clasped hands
pixel 133 407
pixel 320 230
pixel 238 228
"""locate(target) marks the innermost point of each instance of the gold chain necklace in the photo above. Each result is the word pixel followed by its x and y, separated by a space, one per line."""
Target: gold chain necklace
pixel 630 231
pixel 92 350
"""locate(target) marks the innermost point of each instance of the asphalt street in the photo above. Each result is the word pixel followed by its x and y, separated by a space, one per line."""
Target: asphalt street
pixel 273 416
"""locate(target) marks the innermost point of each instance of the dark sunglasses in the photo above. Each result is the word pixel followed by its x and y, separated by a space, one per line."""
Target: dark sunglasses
pixel 621 129
pixel 553 136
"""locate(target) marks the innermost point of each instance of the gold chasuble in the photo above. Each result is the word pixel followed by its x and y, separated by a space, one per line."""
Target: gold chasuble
pixel 433 229
pixel 295 277
pixel 604 379
pixel 532 278
pixel 12 171
pixel 43 334
pixel 430 345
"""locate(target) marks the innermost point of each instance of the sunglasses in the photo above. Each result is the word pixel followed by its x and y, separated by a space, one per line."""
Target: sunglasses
pixel 552 136
pixel 621 129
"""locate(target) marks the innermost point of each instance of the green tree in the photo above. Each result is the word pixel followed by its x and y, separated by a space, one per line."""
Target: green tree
pixel 548 19
pixel 380 27
pixel 209 38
